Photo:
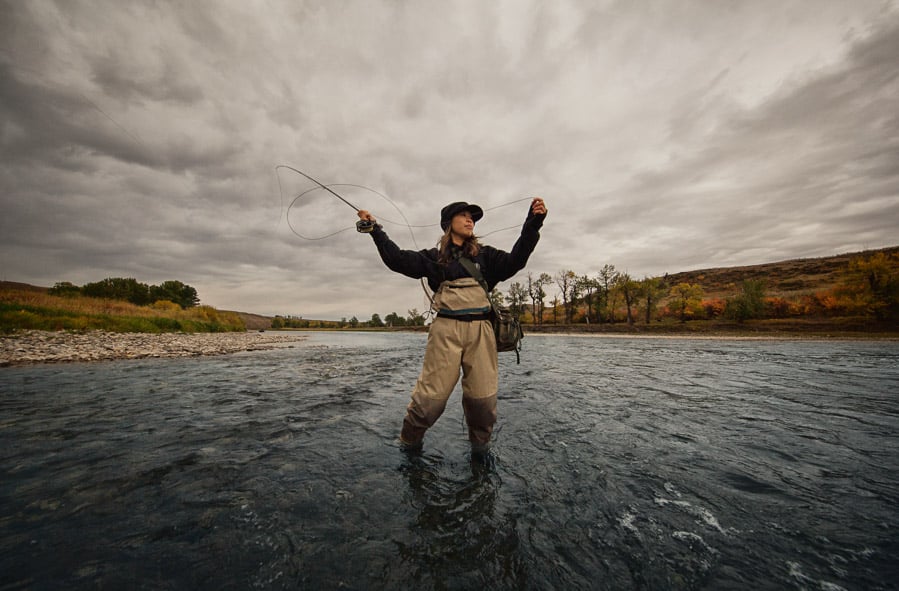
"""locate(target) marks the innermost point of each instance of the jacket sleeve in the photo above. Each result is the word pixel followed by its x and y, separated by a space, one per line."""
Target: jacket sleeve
pixel 411 263
pixel 502 265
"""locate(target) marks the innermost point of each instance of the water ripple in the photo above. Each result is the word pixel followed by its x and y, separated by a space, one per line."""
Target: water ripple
pixel 617 464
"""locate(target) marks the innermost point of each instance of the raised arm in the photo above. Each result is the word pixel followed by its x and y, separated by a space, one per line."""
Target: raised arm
pixel 502 265
pixel 411 263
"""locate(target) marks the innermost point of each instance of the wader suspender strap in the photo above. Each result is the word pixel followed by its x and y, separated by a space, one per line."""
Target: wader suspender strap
pixel 473 270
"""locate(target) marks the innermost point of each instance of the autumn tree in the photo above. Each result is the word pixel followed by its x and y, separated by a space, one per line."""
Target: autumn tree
pixel 628 288
pixel 565 281
pixel 652 289
pixel 872 284
pixel 555 302
pixel 574 293
pixel 749 303
pixel 537 295
pixel 685 296
pixel 606 280
pixel 587 287
pixel 517 299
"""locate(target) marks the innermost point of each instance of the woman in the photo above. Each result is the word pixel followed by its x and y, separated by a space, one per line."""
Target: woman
pixel 461 335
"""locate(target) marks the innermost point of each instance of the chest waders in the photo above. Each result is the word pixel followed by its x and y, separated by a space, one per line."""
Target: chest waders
pixel 460 338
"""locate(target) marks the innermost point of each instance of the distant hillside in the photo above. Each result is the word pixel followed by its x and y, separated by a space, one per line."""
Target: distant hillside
pixel 794 277
pixel 255 321
pixel 785 278
pixel 14 286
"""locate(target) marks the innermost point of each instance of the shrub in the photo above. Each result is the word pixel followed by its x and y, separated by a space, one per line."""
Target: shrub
pixel 749 304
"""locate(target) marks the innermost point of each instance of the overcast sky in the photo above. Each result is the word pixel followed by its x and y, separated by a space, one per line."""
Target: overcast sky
pixel 140 139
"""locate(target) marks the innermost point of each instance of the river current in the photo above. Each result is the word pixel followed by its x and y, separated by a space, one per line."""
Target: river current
pixel 617 463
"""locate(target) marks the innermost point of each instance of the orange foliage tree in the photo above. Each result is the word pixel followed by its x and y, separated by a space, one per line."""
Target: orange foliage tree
pixel 871 286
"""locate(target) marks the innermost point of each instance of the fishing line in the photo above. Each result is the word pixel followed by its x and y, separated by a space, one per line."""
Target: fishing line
pixel 405 223
pixel 42 77
pixel 327 188
pixel 424 285
pixel 321 186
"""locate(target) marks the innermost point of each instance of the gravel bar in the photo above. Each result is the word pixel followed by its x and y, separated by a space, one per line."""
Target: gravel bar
pixel 28 347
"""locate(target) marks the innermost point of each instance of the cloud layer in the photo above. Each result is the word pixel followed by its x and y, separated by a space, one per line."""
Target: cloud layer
pixel 141 139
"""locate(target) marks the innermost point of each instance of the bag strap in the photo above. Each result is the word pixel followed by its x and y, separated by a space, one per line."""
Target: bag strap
pixel 473 270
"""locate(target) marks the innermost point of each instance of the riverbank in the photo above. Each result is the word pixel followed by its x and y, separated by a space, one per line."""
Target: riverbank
pixel 791 328
pixel 36 346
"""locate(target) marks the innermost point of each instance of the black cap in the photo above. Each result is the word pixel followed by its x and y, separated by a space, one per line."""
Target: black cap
pixel 453 209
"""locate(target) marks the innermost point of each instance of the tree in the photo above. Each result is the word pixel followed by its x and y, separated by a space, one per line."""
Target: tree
pixel 652 290
pixel 587 287
pixel 175 291
pixel 393 319
pixel 118 288
pixel 538 294
pixel 415 318
pixel 64 289
pixel 872 284
pixel 555 302
pixel 354 322
pixel 565 280
pixel 516 299
pixel 606 279
pixel 748 304
pixel 686 295
pixel 628 288
pixel 375 321
pixel 496 298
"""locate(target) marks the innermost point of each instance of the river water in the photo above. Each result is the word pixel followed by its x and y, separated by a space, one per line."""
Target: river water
pixel 618 463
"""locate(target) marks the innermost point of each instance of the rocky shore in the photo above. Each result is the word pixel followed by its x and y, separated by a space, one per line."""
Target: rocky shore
pixel 33 346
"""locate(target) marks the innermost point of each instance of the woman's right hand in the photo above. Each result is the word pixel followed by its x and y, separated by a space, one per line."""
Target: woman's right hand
pixel 366 223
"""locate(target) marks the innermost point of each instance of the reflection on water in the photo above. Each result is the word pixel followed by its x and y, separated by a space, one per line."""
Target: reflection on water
pixel 617 464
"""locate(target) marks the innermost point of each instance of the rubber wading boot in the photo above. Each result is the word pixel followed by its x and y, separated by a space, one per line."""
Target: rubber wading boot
pixel 411 448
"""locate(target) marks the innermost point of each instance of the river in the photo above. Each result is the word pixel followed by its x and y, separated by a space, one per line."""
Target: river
pixel 618 463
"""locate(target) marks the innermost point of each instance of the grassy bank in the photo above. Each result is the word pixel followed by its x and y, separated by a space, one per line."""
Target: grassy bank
pixel 31 310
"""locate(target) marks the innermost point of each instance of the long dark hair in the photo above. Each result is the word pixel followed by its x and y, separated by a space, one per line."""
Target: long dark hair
pixel 470 247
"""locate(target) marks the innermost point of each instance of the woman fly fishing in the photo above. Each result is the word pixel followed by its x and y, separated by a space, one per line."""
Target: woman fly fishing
pixel 461 336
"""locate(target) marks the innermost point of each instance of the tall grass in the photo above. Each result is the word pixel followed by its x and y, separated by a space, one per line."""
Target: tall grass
pixel 29 310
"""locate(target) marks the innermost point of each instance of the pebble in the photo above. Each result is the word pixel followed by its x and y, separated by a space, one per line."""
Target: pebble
pixel 34 346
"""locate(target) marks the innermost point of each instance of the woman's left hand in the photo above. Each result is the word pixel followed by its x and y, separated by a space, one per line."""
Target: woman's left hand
pixel 537 206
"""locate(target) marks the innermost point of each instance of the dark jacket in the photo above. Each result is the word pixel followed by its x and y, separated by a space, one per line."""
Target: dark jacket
pixel 496 265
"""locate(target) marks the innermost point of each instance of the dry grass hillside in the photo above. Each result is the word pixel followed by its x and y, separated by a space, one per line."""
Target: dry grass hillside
pixel 785 278
pixel 791 279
